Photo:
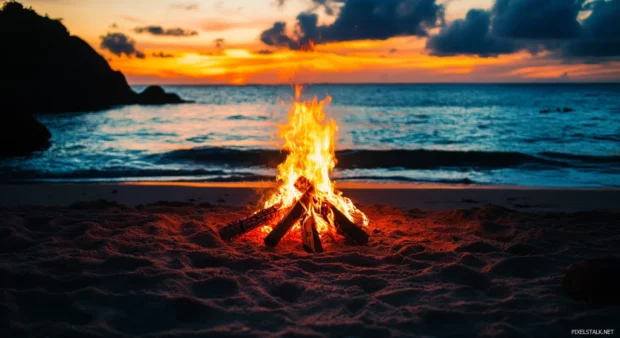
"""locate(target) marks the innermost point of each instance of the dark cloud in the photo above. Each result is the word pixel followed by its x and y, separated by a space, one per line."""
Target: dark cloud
pixel 276 36
pixel 162 55
pixel 536 19
pixel 600 32
pixel 471 35
pixel 361 20
pixel 159 30
pixel 119 44
pixel 329 6
pixel 536 26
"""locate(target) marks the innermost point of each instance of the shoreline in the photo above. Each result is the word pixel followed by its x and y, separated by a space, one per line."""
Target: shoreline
pixel 404 196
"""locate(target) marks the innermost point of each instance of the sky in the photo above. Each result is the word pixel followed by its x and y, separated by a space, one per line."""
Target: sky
pixel 348 41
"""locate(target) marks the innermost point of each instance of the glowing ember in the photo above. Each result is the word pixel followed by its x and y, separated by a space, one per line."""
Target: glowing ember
pixel 309 139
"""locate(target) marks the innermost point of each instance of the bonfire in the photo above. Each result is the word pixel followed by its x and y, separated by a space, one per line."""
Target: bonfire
pixel 306 199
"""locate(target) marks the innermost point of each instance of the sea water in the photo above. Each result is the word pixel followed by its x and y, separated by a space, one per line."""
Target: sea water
pixel 509 134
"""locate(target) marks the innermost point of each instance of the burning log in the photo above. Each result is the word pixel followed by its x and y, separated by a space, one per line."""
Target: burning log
pixel 302 184
pixel 344 225
pixel 324 214
pixel 347 227
pixel 263 217
pixel 298 210
pixel 309 235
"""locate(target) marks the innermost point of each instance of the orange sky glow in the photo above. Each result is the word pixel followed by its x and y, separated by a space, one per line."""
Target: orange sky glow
pixel 243 59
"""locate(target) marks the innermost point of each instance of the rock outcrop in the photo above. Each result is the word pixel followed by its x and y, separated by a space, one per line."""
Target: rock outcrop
pixel 21 134
pixel 157 95
pixel 46 70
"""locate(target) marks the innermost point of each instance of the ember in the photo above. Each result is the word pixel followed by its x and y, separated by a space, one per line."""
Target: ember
pixel 306 199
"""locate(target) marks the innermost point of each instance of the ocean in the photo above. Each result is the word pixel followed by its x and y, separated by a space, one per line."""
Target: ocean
pixel 505 134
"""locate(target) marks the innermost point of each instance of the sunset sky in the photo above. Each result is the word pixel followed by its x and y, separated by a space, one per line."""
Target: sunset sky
pixel 245 41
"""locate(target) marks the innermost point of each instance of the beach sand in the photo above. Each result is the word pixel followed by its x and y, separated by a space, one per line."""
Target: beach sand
pixel 441 261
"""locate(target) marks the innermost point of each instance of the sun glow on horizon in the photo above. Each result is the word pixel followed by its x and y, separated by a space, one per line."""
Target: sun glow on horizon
pixel 352 64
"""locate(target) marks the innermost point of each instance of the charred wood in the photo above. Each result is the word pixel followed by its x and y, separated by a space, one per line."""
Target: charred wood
pixel 309 235
pixel 263 217
pixel 293 216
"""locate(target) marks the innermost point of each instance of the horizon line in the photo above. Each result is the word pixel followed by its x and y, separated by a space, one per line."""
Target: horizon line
pixel 380 83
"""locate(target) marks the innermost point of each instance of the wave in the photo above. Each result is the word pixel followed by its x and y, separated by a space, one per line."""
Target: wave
pixel 196 176
pixel 216 164
pixel 406 159
pixel 586 159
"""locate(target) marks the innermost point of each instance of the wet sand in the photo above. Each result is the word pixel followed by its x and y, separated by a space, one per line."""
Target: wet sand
pixel 406 196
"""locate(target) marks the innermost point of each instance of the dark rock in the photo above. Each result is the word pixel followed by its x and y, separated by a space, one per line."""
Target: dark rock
pixel 156 95
pixel 49 71
pixel 21 135
pixel 594 280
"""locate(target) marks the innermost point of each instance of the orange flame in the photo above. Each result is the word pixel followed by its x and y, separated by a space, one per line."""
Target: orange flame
pixel 309 139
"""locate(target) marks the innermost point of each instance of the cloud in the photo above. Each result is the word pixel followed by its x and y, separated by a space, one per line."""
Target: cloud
pixel 536 26
pixel 361 20
pixel 159 30
pixel 471 35
pixel 162 55
pixel 119 44
pixel 536 19
pixel 329 6
pixel 600 32
pixel 276 36
pixel 189 6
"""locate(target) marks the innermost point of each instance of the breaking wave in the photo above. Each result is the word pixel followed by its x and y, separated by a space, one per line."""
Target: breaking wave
pixel 407 159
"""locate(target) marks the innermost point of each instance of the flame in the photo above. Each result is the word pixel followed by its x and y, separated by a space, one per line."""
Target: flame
pixel 309 139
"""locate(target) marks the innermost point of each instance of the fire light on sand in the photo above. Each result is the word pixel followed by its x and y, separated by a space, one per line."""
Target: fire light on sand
pixel 306 202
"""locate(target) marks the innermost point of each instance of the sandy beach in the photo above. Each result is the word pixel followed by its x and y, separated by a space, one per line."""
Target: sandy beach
pixel 441 261
pixel 309 168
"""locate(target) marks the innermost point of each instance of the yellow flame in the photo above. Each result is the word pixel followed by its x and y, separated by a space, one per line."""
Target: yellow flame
pixel 309 139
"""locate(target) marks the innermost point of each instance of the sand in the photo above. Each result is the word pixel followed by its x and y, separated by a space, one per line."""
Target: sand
pixel 405 196
pixel 133 269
